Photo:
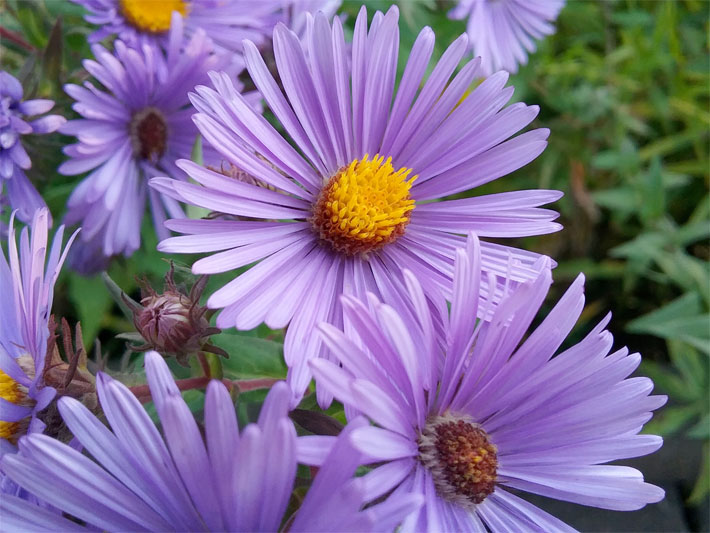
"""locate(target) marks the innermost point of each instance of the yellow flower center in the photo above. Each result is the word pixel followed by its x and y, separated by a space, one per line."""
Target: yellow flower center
pixel 152 16
pixel 10 390
pixel 365 206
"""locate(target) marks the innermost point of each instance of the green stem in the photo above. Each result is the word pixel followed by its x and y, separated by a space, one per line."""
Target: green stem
pixel 214 363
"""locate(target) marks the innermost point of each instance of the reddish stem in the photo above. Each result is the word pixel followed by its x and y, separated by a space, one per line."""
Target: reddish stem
pixel 204 364
pixel 15 38
pixel 142 392
pixel 254 384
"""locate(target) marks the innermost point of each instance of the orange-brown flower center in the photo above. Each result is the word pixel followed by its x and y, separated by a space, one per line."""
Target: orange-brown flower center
pixel 149 134
pixel 461 458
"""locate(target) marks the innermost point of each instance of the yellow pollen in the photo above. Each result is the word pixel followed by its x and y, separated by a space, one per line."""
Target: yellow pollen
pixel 365 206
pixel 10 391
pixel 152 16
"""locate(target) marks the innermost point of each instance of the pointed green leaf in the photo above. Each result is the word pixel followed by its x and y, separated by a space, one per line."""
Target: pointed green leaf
pixel 250 357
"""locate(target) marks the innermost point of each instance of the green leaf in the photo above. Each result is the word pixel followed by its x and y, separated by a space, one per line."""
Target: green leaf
pixel 686 271
pixel 693 232
pixel 92 302
pixel 118 296
pixel 52 57
pixel 669 382
pixel 619 199
pixel 194 211
pixel 250 357
pixel 195 400
pixel 693 366
pixel 702 485
pixel 654 201
pixel 30 19
pixel 671 420
pixel 701 430
pixel 196 155
pixel 645 246
pixel 682 319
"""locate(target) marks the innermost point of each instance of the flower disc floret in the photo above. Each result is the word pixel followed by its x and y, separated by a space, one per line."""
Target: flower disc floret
pixel 364 206
pixel 461 458
pixel 11 392
pixel 149 134
pixel 153 16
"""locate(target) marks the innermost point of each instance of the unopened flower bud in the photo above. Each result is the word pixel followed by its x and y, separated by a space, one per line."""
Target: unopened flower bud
pixel 174 323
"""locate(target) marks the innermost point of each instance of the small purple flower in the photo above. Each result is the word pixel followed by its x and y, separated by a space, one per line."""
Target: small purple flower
pixel 139 22
pixel 466 411
pixel 227 481
pixel 503 32
pixel 356 199
pixel 133 129
pixel 27 278
pixel 14 122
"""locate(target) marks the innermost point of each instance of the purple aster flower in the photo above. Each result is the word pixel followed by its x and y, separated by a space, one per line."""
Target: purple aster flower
pixel 139 480
pixel 14 122
pixel 297 10
pixel 503 32
pixel 467 413
pixel 356 199
pixel 133 129
pixel 27 278
pixel 227 22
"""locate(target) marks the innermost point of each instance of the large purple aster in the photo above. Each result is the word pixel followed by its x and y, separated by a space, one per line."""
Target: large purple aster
pixel 356 199
pixel 465 414
pixel 133 129
pixel 226 481
pixel 27 277
pixel 503 32
pixel 16 120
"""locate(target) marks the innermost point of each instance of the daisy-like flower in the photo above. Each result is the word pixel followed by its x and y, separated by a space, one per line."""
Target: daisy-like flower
pixel 464 414
pixel 353 202
pixel 27 278
pixel 227 22
pixel 297 12
pixel 15 121
pixel 133 129
pixel 503 32
pixel 139 480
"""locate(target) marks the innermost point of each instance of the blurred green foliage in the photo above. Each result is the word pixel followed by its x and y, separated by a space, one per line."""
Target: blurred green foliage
pixel 623 85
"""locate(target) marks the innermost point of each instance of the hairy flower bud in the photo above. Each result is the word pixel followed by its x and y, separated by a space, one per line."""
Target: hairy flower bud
pixel 173 323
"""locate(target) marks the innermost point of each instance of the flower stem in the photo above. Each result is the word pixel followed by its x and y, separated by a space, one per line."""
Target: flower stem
pixel 142 392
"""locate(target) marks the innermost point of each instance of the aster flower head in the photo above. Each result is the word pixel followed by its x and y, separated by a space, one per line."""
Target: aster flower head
pixel 27 277
pixel 227 22
pixel 352 201
pixel 229 481
pixel 466 413
pixel 19 118
pixel 297 12
pixel 134 128
pixel 503 32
